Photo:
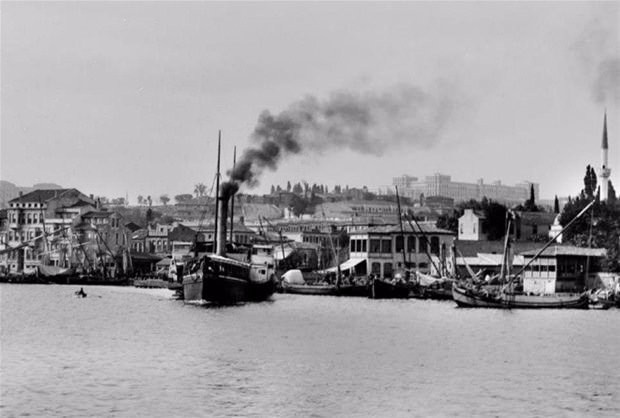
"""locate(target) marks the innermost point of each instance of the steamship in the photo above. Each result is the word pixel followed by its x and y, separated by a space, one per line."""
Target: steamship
pixel 222 280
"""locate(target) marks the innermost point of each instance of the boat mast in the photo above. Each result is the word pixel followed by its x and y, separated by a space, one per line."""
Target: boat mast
pixel 232 199
pixel 217 187
pixel 502 273
pixel 427 242
pixel 402 231
pixel 552 240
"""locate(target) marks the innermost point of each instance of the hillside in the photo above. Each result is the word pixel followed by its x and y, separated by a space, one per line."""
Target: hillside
pixel 10 191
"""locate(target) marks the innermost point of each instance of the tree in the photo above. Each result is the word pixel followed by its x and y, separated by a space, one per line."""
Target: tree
pixel 288 186
pixel 589 182
pixel 140 199
pixel 297 189
pixel 273 189
pixel 119 201
pixel 556 205
pixel 164 199
pixel 611 193
pixel 182 198
pixel 199 189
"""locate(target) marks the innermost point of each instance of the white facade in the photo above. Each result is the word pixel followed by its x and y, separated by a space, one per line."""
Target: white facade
pixel 442 185
pixel 470 226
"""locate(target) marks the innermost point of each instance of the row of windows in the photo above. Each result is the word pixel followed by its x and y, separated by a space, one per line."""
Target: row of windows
pixel 26 218
pixel 26 205
pixel 24 235
pixel 384 246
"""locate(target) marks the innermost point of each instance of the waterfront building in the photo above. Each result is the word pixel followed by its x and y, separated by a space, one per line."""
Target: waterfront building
pixel 39 223
pixel 104 240
pixel 560 268
pixel 605 171
pixel 442 185
pixel 382 250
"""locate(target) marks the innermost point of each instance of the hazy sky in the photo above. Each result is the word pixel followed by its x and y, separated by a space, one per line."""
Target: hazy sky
pixel 116 98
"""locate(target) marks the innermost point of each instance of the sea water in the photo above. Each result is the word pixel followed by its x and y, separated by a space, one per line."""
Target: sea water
pixel 127 352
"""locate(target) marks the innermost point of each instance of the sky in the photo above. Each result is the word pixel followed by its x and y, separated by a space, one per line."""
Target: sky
pixel 119 99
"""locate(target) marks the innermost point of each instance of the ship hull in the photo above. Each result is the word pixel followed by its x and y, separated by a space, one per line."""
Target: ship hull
pixel 225 290
pixel 471 299
pixel 325 290
pixel 380 289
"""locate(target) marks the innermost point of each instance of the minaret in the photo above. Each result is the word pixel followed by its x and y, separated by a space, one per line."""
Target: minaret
pixel 605 170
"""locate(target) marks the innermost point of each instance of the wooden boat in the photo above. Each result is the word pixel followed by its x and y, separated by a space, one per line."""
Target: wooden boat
pixel 294 282
pixel 383 289
pixel 505 297
pixel 482 298
pixel 310 289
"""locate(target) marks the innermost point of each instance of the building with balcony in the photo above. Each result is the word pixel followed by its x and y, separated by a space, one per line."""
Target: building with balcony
pixel 385 249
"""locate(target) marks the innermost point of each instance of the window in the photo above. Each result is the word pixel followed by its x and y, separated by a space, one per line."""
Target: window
pixel 363 245
pixel 400 243
pixel 375 268
pixel 423 245
pixel 386 246
pixel 387 270
pixel 434 245
pixel 375 246
pixel 411 244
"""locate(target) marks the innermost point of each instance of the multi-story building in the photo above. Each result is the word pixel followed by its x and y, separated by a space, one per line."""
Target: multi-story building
pixel 39 223
pixel 382 250
pixel 104 241
pixel 442 185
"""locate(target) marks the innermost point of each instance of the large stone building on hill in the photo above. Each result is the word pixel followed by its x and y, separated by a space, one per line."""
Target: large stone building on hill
pixel 442 185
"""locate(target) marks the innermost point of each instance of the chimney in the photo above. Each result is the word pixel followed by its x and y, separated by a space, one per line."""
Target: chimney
pixel 21 193
pixel 221 227
pixel 92 197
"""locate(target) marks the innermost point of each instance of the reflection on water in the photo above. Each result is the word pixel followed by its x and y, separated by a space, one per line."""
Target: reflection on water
pixel 137 352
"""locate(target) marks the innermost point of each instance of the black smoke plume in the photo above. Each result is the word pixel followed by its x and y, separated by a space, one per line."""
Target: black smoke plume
pixel 368 123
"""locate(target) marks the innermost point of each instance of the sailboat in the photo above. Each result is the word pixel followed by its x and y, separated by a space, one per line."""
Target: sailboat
pixel 472 295
pixel 222 280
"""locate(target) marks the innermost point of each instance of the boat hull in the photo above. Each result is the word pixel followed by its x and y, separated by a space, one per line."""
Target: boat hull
pixel 224 290
pixel 471 299
pixel 380 289
pixel 325 290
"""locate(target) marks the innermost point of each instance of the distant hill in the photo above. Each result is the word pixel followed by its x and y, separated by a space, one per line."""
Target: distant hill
pixel 10 191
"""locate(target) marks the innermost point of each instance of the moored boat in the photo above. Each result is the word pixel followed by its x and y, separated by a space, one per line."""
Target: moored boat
pixel 506 296
pixel 483 298
pixel 384 289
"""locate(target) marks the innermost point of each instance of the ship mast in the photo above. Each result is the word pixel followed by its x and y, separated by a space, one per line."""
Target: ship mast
pixel 402 232
pixel 232 199
pixel 217 188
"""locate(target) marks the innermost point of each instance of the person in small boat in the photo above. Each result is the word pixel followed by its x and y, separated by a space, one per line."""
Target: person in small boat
pixel 81 293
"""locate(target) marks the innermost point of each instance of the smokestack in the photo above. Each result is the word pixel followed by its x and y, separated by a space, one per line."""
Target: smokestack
pixel 221 227
pixel 228 190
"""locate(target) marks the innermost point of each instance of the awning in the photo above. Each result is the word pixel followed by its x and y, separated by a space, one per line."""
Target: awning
pixel 347 265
